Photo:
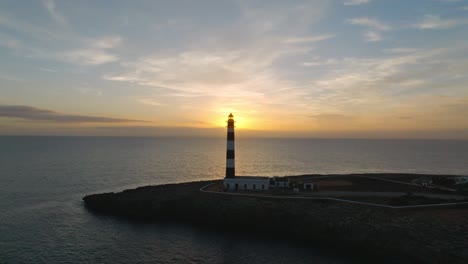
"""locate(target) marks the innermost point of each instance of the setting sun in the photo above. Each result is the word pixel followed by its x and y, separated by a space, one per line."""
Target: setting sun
pixel 240 121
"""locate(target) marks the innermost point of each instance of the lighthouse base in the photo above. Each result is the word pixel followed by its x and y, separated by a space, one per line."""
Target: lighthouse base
pixel 250 183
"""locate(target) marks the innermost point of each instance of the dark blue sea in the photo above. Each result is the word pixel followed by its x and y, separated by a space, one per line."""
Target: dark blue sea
pixel 42 181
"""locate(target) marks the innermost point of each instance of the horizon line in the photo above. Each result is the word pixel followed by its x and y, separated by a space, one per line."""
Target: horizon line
pixel 222 137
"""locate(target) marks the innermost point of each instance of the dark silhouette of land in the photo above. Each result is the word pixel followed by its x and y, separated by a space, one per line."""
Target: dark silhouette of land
pixel 435 234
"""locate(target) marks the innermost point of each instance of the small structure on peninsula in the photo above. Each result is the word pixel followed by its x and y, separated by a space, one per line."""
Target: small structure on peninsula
pixel 231 181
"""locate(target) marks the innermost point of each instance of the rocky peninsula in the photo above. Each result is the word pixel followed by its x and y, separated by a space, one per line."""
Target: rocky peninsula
pixel 422 235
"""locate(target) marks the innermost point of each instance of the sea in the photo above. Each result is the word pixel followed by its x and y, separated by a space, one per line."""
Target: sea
pixel 43 180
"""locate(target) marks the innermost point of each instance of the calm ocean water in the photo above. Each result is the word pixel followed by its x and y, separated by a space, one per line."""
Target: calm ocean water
pixel 42 181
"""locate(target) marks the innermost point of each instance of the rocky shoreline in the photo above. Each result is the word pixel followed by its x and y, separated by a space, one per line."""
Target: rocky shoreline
pixel 430 235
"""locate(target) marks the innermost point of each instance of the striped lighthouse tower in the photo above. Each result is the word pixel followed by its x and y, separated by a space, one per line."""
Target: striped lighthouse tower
pixel 230 166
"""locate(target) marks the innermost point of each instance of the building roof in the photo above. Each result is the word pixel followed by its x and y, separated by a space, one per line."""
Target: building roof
pixel 250 178
pixel 281 179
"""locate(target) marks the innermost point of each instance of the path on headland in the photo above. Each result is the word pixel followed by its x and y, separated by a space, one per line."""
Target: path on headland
pixel 331 198
pixel 382 179
pixel 384 194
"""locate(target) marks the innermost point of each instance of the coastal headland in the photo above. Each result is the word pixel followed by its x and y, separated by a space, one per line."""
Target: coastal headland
pixel 413 224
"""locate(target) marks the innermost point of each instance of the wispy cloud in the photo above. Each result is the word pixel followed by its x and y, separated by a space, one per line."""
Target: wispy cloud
pixel 54 13
pixel 38 114
pixel 10 78
pixel 87 56
pixel 317 62
pixel 363 71
pixel 107 42
pixel 47 69
pixel 150 101
pixel 389 83
pixel 369 22
pixel 372 36
pixel 96 53
pixel 93 51
pixel 310 39
pixel 356 2
pixel 9 42
pixel 21 25
pixel 435 22
pixel 375 28
pixel 88 90
pixel 399 50
pixel 202 72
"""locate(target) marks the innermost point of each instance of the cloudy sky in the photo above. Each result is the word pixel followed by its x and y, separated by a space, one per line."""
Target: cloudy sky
pixel 344 68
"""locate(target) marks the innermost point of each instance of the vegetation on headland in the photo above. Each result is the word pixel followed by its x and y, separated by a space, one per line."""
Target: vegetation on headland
pixel 433 235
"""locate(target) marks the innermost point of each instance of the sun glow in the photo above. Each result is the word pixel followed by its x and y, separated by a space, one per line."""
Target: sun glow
pixel 241 121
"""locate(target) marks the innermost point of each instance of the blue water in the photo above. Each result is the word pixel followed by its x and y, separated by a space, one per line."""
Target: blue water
pixel 42 181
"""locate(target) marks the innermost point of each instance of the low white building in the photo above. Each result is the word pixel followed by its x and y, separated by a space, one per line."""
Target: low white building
pixel 279 182
pixel 460 179
pixel 253 183
pixel 308 186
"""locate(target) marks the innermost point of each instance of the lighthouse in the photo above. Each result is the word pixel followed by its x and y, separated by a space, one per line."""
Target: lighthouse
pixel 230 155
pixel 232 182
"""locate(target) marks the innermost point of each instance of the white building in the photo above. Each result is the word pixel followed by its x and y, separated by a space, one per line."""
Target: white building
pixel 460 179
pixel 279 182
pixel 253 183
pixel 308 186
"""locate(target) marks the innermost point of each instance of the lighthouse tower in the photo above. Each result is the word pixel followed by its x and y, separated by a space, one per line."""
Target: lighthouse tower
pixel 230 164
pixel 239 183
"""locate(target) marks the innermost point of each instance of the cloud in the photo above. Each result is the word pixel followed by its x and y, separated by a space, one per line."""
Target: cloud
pixel 87 56
pixel 311 39
pixel 37 114
pixel 10 78
pixel 281 15
pixel 319 63
pixel 237 72
pixel 435 22
pixel 375 26
pixel 363 72
pixel 10 42
pixel 85 90
pixel 331 120
pixel 92 51
pixel 14 23
pixel 96 53
pixel 55 14
pixel 369 22
pixel 47 69
pixel 107 42
pixel 399 50
pixel 149 101
pixel 372 36
pixel 356 2
pixel 160 131
pixel 376 87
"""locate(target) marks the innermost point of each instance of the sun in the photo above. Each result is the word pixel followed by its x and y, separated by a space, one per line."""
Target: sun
pixel 241 121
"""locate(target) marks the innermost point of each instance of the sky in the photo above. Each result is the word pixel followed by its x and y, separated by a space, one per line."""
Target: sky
pixel 343 68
